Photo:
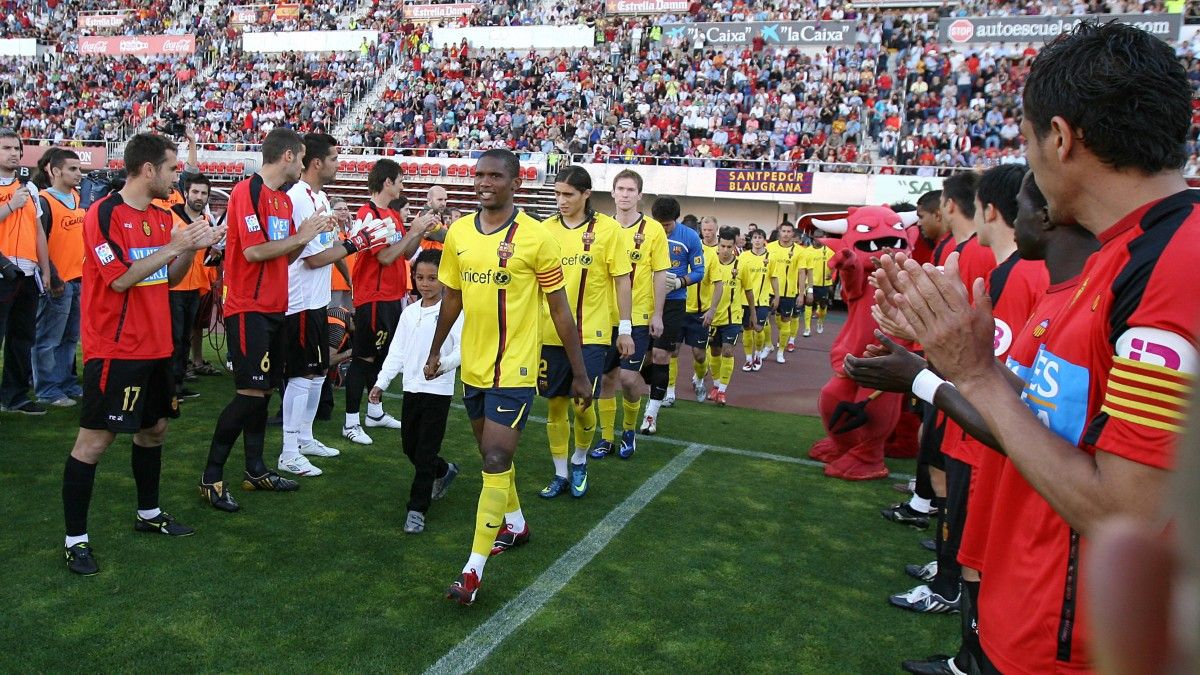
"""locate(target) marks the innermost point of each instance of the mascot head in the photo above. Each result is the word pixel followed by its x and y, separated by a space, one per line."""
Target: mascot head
pixel 870 230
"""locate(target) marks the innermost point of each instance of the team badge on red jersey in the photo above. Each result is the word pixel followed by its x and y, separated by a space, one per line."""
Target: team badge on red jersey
pixel 146 228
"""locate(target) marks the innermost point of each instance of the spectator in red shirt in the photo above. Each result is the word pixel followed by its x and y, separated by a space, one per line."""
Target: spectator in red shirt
pixel 132 254
pixel 262 242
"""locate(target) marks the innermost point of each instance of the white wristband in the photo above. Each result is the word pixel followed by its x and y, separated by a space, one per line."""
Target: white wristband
pixel 624 327
pixel 926 384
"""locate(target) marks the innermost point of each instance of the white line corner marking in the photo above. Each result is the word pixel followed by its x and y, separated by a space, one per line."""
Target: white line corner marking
pixel 483 640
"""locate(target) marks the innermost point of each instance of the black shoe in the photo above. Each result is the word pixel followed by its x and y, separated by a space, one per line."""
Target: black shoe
pixel 926 572
pixel 217 495
pixel 929 545
pixel 939 664
pixel 80 560
pixel 269 481
pixel 906 515
pixel 186 393
pixel 28 408
pixel 276 421
pixel 190 377
pixel 163 523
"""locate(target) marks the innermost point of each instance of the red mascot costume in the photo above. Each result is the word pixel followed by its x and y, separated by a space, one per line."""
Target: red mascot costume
pixel 858 421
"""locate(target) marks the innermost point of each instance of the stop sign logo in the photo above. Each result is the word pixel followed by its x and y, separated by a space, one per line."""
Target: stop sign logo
pixel 961 30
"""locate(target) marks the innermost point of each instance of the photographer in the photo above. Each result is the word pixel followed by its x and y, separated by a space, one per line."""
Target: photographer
pixel 24 276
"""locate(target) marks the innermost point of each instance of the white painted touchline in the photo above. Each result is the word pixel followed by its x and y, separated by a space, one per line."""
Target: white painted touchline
pixel 476 647
pixel 803 461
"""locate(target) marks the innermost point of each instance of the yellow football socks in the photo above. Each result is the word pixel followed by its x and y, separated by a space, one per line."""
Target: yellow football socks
pixel 558 432
pixel 672 372
pixel 727 368
pixel 808 312
pixel 607 414
pixel 489 515
pixel 632 411
pixel 700 368
pixel 585 429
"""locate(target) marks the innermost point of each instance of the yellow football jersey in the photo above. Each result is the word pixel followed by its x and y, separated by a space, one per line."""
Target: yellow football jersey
pixel 699 296
pixel 818 264
pixel 645 245
pixel 502 277
pixel 758 267
pixel 591 257
pixel 785 266
pixel 736 279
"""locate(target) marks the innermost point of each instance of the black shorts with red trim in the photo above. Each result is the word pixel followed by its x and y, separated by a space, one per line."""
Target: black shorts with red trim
pixel 257 347
pixel 374 326
pixel 555 374
pixel 507 406
pixel 126 396
pixel 308 343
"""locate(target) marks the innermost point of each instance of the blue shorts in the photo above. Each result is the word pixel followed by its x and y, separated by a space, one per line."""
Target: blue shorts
pixel 787 308
pixel 822 294
pixel 760 312
pixel 724 335
pixel 694 333
pixel 508 406
pixel 641 343
pixel 554 372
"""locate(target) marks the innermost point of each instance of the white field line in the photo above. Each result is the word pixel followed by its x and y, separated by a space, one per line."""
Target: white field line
pixel 803 461
pixel 476 647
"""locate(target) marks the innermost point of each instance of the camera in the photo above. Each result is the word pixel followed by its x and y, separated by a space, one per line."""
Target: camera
pixel 172 125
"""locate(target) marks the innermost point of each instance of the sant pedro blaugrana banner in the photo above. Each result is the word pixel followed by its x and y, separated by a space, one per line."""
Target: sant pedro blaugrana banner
pixel 773 182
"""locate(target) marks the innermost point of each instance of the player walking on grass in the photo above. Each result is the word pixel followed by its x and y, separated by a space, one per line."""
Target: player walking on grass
pixel 645 243
pixel 131 256
pixel 733 281
pixel 496 265
pixel 698 320
pixel 262 241
pixel 687 269
pixel 787 264
pixel 426 404
pixel 764 287
pixel 596 270
pixel 380 283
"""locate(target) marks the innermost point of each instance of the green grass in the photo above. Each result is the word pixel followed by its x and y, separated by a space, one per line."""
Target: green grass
pixel 739 564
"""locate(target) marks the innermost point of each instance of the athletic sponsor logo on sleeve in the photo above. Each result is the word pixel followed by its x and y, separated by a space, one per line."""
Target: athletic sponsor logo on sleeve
pixel 252 223
pixel 1151 379
pixel 104 253
pixel 1057 393
pixel 1002 338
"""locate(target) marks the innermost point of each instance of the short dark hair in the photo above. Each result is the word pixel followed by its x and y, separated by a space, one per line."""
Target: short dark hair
pixel 196 179
pixel 930 201
pixel 383 171
pixel 7 132
pixel 960 188
pixel 665 210
pixel 398 203
pixel 279 141
pixel 60 157
pixel 317 146
pixel 631 175
pixel 785 224
pixel 1123 88
pixel 147 148
pixel 430 256
pixel 999 186
pixel 756 231
pixel 903 207
pixel 728 233
pixel 512 164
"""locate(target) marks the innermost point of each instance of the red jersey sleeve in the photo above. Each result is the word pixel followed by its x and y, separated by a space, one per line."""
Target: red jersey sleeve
pixel 1152 330
pixel 106 244
pixel 242 216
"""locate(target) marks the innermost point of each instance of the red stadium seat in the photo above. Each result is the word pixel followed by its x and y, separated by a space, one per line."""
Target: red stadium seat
pixel 239 168
pixel 363 166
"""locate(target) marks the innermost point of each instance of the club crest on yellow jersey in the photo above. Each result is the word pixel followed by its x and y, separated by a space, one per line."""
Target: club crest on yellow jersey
pixel 505 250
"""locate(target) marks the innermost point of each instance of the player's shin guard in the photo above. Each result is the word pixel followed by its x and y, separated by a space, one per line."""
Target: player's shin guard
pixel 672 372
pixel 700 368
pixel 822 310
pixel 631 414
pixel 748 344
pixel 727 368
pixel 78 480
pixel 146 463
pixel 558 433
pixel 585 427
pixel 658 381
pixel 607 418
pixel 489 514
pixel 808 312
pixel 512 508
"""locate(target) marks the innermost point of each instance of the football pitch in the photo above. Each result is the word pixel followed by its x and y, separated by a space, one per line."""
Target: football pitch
pixel 717 548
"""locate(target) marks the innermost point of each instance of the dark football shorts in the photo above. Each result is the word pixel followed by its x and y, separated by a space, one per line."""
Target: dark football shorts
pixel 787 308
pixel 822 294
pixel 257 345
pixel 674 312
pixel 374 325
pixel 761 312
pixel 126 396
pixel 307 342
pixel 695 334
pixel 508 406
pixel 724 335
pixel 641 343
pixel 554 372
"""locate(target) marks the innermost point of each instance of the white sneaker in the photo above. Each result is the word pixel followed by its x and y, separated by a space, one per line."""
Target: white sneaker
pixel 386 421
pixel 808 332
pixel 698 386
pixel 779 357
pixel 315 448
pixel 414 523
pixel 668 401
pixel 820 326
pixel 766 351
pixel 356 435
pixel 649 426
pixel 748 367
pixel 298 465
pixel 63 402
